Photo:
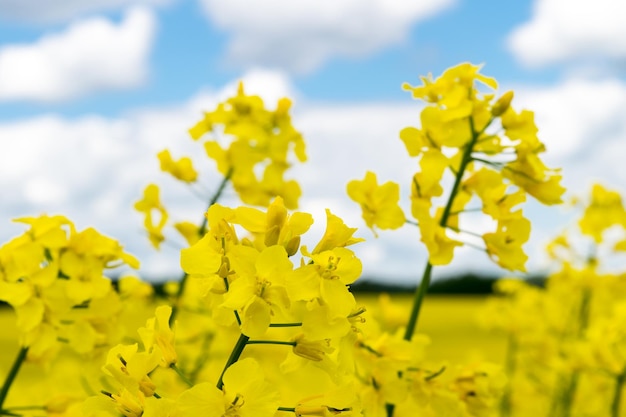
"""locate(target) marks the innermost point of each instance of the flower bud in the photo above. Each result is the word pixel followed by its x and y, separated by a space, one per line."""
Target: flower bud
pixel 502 104
pixel 314 350
pixel 292 246
pixel 224 267
pixel 271 236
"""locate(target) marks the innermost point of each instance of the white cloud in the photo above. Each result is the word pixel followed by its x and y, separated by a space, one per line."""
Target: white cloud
pixel 91 55
pixel 62 10
pixel 94 168
pixel 582 124
pixel 573 112
pixel 302 35
pixel 563 30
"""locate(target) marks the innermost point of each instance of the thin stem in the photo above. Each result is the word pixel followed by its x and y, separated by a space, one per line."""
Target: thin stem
pixel 270 342
pixel 201 232
pixel 467 232
pixel 216 197
pixel 435 374
pixel 19 360
pixel 467 210
pixel 411 222
pixel 285 324
pixel 417 302
pixel 289 409
pixel 510 365
pixel 568 395
pixel 422 289
pixel 522 174
pixel 617 394
pixel 495 164
pixel 474 246
pixel 237 317
pixel 25 408
pixel 234 357
pixel 181 375
pixel 371 350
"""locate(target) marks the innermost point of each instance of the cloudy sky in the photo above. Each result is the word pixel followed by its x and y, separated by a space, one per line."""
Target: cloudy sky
pixel 91 91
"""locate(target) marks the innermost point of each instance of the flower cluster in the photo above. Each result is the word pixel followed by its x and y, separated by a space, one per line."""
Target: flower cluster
pixel 567 344
pixel 252 148
pixel 260 140
pixel 262 324
pixel 497 166
pixel 53 276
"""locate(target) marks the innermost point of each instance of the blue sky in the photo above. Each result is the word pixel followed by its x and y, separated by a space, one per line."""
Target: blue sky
pixel 91 91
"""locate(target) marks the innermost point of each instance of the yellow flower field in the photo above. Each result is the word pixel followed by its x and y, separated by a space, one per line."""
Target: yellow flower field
pixel 452 322
pixel 261 324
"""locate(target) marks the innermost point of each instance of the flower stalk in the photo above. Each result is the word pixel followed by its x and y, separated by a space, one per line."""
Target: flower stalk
pixel 15 368
pixel 422 288
pixel 234 356
pixel 617 394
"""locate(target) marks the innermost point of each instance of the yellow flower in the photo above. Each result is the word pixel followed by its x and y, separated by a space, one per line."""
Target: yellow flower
pixel 147 205
pixel 189 231
pixel 490 187
pixel 157 335
pixel 604 211
pixel 327 277
pixel 87 254
pixel 314 350
pixel 181 169
pixel 246 393
pixel 342 402
pixel 379 204
pixel 275 226
pixel 48 230
pixel 337 234
pixel 259 290
pixel 131 369
pixel 426 183
pixel 505 245
pixel 255 152
pixel 502 104
pixel 440 246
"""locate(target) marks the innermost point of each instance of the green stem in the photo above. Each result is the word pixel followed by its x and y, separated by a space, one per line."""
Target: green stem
pixel 288 409
pixel 585 304
pixel 270 342
pixel 617 394
pixel 510 365
pixel 234 357
pixel 19 359
pixel 181 375
pixel 285 324
pixel 201 232
pixel 422 289
pixel 26 407
pixel 568 395
pixel 467 232
pixel 214 199
pixel 420 293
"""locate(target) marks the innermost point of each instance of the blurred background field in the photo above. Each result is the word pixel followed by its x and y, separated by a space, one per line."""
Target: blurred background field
pixel 450 321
